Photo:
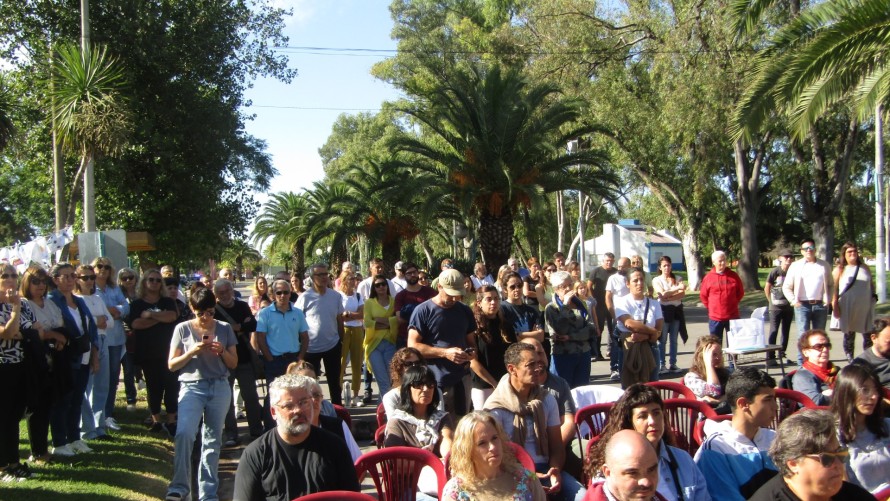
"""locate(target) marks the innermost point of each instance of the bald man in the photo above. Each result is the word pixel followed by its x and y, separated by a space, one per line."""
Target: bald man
pixel 631 470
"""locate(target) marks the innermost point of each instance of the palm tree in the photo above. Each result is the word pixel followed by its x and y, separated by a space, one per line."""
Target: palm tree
pixel 497 143
pixel 283 220
pixel 833 51
pixel 90 113
pixel 238 251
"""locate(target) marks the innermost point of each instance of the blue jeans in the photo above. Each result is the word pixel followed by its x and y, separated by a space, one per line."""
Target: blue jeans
pixel 64 417
pixel 809 316
pixel 656 355
pixel 616 351
pixel 208 399
pixel 573 367
pixel 571 490
pixel 718 328
pixel 380 359
pixel 669 337
pixel 92 417
pixel 114 376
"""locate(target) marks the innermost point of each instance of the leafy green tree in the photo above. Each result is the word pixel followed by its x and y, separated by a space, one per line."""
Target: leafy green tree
pixel 497 143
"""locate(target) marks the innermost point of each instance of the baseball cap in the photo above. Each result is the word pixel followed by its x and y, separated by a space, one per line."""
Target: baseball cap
pixel 400 266
pixel 786 253
pixel 452 281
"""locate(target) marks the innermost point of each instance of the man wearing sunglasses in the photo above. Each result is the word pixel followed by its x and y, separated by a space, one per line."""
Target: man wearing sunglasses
pixel 282 337
pixel 808 287
pixel 810 461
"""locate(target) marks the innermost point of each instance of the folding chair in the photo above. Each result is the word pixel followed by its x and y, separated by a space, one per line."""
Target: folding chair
pixel 395 471
pixel 698 435
pixel 670 389
pixel 682 414
pixel 883 495
pixel 336 496
pixel 343 414
pixel 381 415
pixel 789 402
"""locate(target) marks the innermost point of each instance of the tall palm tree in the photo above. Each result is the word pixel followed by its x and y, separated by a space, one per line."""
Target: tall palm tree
pixel 831 52
pixel 90 113
pixel 283 220
pixel 498 142
pixel 239 250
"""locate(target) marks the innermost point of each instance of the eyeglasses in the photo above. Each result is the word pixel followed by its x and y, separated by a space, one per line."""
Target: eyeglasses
pixel 301 403
pixel 127 278
pixel 153 280
pixel 87 277
pixel 318 396
pixel 867 392
pixel 827 459
pixel 282 293
pixel 380 284
pixel 207 313
pixel 103 266
pixel 319 274
pixel 821 346
pixel 423 384
pixel 551 270
pixel 38 281
pixel 808 248
pixel 514 287
pixel 9 275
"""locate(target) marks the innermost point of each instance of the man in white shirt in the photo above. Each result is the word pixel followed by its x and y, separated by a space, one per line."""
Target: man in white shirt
pixel 481 276
pixel 375 268
pixel 399 280
pixel 616 287
pixel 808 287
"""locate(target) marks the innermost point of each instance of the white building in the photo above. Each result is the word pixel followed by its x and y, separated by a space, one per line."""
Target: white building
pixel 628 238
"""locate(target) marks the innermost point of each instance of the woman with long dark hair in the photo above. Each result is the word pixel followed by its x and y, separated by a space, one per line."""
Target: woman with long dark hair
pixel 381 329
pixel 669 290
pixel 492 340
pixel 642 409
pixel 862 427
pixel 853 300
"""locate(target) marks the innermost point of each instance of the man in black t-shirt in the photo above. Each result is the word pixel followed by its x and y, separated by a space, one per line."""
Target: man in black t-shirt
pixel 781 313
pixel 295 458
pixel 597 285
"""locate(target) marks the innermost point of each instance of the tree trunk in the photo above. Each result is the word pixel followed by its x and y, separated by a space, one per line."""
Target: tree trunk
pixel 392 252
pixel 748 195
pixel 427 251
pixel 560 221
pixel 823 234
pixel 496 237
pixel 692 257
pixel 298 256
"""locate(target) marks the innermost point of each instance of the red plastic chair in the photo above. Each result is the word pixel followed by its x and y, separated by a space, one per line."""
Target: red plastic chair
pixel 698 435
pixel 883 495
pixel 670 389
pixel 789 402
pixel 521 455
pixel 595 417
pixel 682 414
pixel 336 496
pixel 381 415
pixel 379 436
pixel 395 471
pixel 343 414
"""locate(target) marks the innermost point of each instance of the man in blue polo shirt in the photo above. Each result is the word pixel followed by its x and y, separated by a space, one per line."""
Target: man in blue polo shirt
pixel 282 336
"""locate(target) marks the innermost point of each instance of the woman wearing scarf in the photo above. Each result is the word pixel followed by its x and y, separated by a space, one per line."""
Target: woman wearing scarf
pixel 816 378
pixel 570 327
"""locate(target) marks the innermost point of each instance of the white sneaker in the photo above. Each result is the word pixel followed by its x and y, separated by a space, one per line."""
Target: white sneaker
pixel 615 376
pixel 111 423
pixel 64 451
pixel 80 446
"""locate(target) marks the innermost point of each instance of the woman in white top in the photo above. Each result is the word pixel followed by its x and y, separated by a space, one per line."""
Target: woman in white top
pixel 669 290
pixel 353 333
pixel 92 424
pixel 639 322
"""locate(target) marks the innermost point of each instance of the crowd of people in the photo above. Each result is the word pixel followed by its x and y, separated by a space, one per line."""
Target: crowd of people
pixel 462 365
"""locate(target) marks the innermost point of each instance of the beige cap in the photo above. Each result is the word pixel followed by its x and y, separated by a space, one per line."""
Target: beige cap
pixel 452 281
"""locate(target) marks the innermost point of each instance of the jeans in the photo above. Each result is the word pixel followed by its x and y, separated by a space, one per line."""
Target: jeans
pixel 209 399
pixel 616 351
pixel 130 372
pixel 657 355
pixel 809 316
pixel 114 376
pixel 64 418
pixel 331 359
pixel 571 490
pixel 352 348
pixel 780 316
pixel 718 328
pixel 380 359
pixel 669 337
pixel 92 419
pixel 246 378
pixel 573 367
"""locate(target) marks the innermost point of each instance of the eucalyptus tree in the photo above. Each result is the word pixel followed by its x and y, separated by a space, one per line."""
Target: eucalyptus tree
pixel 497 143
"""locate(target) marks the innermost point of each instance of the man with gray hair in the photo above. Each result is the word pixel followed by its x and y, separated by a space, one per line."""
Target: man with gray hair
pixel 323 308
pixel 282 336
pixel 721 292
pixel 295 458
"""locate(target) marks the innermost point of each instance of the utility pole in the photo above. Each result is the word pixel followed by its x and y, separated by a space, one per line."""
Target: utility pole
pixel 880 236
pixel 89 190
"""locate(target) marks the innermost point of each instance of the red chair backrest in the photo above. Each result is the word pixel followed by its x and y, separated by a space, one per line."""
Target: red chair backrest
pixel 670 389
pixel 395 471
pixel 381 415
pixel 336 496
pixel 379 436
pixel 789 402
pixel 699 434
pixel 521 455
pixel 883 495
pixel 595 417
pixel 343 414
pixel 682 414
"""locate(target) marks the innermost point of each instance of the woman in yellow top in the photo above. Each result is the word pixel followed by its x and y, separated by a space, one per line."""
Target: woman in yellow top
pixel 381 328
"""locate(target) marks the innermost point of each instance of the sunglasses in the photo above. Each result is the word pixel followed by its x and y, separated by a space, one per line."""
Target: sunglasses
pixel 103 266
pixel 827 459
pixel 514 287
pixel 9 275
pixel 423 384
pixel 127 278
pixel 820 346
pixel 153 280
pixel 207 313
pixel 39 281
pixel 282 293
pixel 87 277
pixel 808 248
pixel 380 284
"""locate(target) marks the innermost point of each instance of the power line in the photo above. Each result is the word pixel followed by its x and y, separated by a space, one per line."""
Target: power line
pixel 310 108
pixel 365 52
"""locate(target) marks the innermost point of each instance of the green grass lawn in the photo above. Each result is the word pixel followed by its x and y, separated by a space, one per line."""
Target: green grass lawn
pixel 137 465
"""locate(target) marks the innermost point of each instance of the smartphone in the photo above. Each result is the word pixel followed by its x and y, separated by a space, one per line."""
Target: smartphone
pixel 206 338
pixel 469 350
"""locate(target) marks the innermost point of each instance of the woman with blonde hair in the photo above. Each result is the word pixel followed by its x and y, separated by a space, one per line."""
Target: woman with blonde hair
pixel 707 377
pixel 353 332
pixel 483 465
pixel 260 291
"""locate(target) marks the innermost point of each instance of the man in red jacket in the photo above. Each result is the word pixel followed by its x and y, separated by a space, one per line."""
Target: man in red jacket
pixel 721 291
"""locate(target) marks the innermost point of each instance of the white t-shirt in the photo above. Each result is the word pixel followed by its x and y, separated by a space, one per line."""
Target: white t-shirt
pixel 617 285
pixel 627 305
pixel 352 304
pixel 812 282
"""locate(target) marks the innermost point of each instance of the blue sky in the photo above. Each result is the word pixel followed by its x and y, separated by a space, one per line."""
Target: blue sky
pixel 327 79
